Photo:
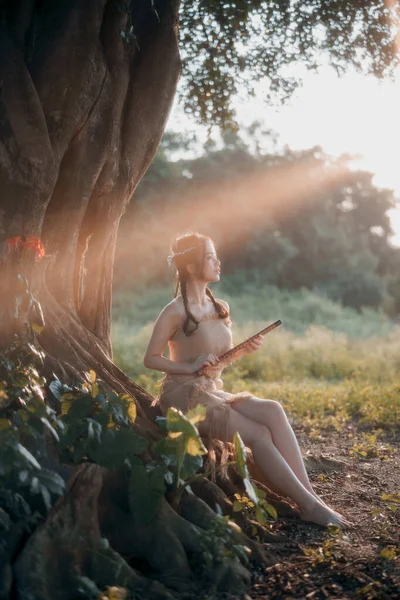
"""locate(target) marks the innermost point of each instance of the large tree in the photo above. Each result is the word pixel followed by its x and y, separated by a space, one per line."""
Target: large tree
pixel 86 89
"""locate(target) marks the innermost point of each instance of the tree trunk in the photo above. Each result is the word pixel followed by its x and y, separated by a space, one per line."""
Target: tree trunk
pixel 81 115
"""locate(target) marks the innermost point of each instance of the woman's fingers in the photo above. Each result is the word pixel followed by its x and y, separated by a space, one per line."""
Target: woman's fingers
pixel 212 359
pixel 255 344
pixel 209 361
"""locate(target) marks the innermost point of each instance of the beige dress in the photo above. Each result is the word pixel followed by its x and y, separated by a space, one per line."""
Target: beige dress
pixel 213 336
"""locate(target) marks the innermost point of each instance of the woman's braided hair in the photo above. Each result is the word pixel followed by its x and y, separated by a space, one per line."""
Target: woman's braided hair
pixel 195 241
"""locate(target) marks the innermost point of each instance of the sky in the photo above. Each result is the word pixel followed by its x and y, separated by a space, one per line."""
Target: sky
pixel 354 113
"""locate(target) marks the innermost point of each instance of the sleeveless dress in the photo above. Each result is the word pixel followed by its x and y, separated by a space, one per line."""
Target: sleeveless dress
pixel 184 392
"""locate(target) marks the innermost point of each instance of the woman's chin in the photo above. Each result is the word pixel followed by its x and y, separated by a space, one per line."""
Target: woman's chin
pixel 212 278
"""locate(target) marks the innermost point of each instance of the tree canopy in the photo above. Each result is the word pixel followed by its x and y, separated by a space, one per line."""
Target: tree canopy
pixel 227 47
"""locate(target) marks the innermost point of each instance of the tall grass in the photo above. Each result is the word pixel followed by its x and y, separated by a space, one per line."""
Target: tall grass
pixel 258 304
pixel 327 363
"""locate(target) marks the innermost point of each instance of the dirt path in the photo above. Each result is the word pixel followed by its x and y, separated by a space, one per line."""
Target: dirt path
pixel 314 563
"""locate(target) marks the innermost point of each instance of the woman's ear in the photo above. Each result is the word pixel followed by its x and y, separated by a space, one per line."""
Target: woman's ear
pixel 191 268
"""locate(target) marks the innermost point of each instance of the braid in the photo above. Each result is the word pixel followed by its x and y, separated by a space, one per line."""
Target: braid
pixel 178 285
pixel 221 311
pixel 188 249
pixel 189 316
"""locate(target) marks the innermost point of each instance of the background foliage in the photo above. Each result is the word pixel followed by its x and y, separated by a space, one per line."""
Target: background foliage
pixel 336 244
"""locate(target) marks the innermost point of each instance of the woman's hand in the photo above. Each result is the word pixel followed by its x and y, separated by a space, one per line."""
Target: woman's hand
pixel 252 346
pixel 207 361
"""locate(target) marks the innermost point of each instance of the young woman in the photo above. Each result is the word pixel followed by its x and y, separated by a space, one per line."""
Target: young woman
pixel 196 328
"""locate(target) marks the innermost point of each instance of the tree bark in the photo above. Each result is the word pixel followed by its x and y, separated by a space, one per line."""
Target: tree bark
pixel 81 116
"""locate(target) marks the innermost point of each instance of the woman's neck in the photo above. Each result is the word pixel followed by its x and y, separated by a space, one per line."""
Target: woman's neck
pixel 196 293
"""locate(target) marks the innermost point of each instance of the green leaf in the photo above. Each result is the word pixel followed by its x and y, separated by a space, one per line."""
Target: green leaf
pixel 240 453
pixel 74 430
pixel 35 485
pixel 5 424
pixel 178 426
pixel 116 446
pixel 26 454
pixel 190 465
pixel 260 493
pixel 197 414
pixel 56 388
pixel 117 409
pixel 391 497
pixel 37 328
pixel 260 516
pixel 94 430
pixel 66 402
pixel 388 553
pixel 81 407
pixel 250 490
pixel 129 404
pixel 50 428
pixel 46 496
pixel 271 510
pixel 146 491
pixel 162 423
pixel 53 482
pixel 334 530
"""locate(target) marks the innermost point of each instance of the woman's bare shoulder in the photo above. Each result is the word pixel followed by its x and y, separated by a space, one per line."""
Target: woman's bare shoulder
pixel 174 310
pixel 224 303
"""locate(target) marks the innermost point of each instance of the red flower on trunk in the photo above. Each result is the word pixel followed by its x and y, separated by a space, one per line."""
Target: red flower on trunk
pixel 32 243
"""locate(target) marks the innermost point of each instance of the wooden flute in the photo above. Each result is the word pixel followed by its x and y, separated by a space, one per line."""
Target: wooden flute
pixel 235 349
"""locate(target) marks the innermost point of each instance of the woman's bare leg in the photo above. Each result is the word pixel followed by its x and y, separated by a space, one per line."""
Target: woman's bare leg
pixel 271 462
pixel 271 414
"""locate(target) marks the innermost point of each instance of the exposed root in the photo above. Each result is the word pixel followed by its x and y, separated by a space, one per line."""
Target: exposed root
pixel 231 483
pixel 68 546
pixel 198 512
pixel 212 495
pixel 170 544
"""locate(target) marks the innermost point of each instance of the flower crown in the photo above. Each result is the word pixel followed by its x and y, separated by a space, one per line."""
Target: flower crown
pixel 171 257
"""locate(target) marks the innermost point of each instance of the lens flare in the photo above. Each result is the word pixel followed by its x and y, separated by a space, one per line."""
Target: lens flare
pixel 230 211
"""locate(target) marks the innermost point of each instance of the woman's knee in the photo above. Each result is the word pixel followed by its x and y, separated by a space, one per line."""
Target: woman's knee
pixel 255 434
pixel 276 409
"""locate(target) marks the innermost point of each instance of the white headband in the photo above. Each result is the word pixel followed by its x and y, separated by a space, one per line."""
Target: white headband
pixel 171 257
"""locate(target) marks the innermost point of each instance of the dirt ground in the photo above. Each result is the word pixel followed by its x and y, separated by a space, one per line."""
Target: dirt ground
pixel 316 564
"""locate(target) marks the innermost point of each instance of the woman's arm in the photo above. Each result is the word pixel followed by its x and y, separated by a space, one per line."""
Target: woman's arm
pixel 164 327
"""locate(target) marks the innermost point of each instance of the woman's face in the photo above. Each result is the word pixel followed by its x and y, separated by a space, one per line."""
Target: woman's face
pixel 211 264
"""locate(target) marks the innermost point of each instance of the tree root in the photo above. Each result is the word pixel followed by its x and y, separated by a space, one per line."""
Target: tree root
pixel 231 482
pixel 213 495
pixel 169 544
pixel 198 512
pixel 68 547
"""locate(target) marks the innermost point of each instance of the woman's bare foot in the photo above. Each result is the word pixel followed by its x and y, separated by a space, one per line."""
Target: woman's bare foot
pixel 323 515
pixel 318 498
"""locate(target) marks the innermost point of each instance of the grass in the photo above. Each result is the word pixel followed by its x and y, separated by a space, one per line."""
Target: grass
pixel 327 365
